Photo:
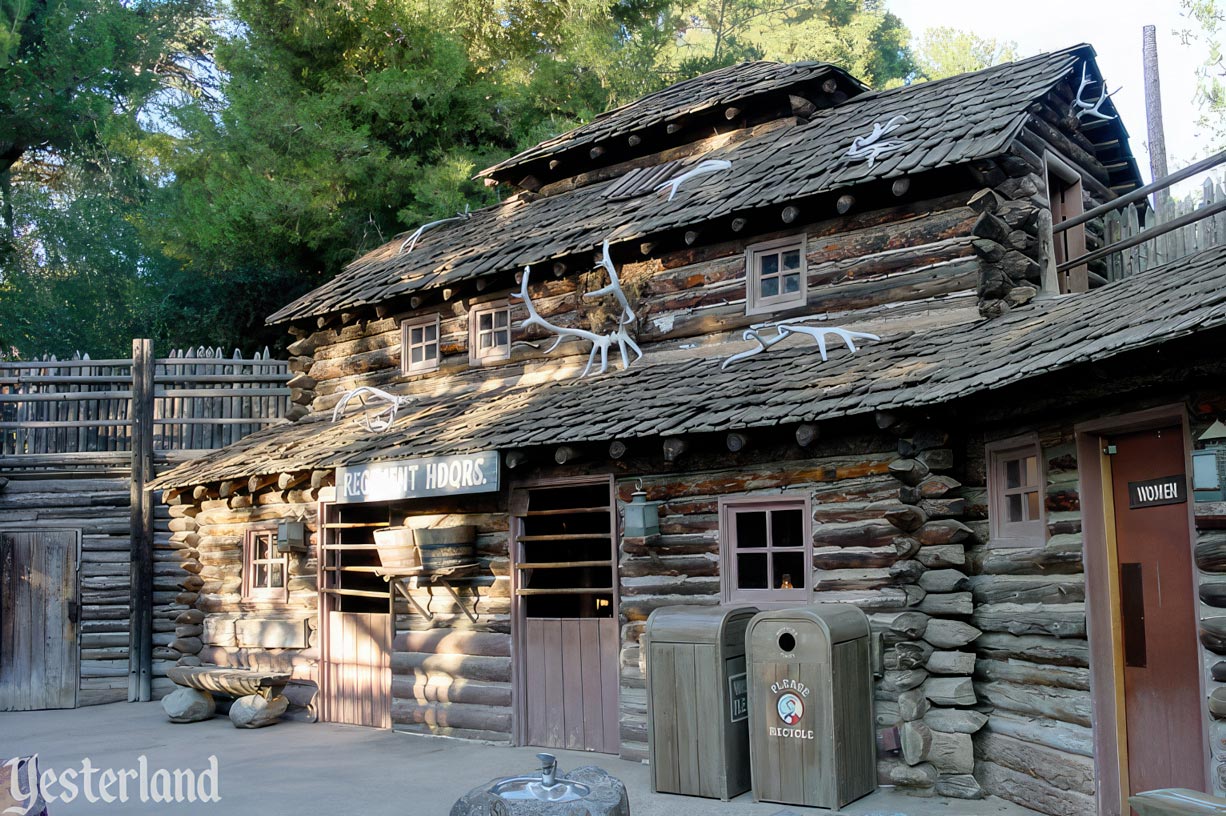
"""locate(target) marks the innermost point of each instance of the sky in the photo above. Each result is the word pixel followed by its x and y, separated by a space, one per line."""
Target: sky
pixel 1113 27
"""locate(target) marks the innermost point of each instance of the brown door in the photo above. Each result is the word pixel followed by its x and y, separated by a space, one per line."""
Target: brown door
pixel 358 667
pixel 566 599
pixel 1158 611
pixel 38 620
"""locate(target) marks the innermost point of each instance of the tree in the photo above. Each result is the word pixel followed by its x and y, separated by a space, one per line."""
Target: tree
pixel 944 52
pixel 1205 19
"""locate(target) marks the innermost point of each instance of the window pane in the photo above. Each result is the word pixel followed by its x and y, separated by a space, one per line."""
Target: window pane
pixel 430 333
pixel 485 321
pixel 1013 473
pixel 267 545
pixel 415 335
pixel 791 284
pixel 770 287
pixel 1032 506
pixel 415 356
pixel 486 339
pixel 791 259
pixel 788 528
pixel 751 571
pixel 770 265
pixel 1032 471
pixel 501 319
pixel 751 529
pixel 501 338
pixel 431 351
pixel 259 575
pixel 276 578
pixel 1015 507
pixel 789 566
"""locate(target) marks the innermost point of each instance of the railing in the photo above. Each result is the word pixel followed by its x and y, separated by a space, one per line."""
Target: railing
pixel 1137 236
pixel 80 410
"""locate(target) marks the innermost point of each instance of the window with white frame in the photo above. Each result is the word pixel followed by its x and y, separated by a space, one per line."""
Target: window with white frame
pixel 419 348
pixel 489 333
pixel 265 571
pixel 767 550
pixel 775 275
pixel 1016 494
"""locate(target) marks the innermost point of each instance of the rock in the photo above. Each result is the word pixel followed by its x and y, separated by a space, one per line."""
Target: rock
pixel 186 705
pixel 191 616
pixel 607 798
pixel 187 645
pixel 254 711
pixel 959 786
pixel 189 630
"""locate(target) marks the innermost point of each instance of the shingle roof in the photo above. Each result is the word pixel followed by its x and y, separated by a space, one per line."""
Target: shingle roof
pixel 773 388
pixel 735 83
pixel 961 119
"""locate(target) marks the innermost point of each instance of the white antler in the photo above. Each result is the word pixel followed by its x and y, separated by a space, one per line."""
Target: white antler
pixel 600 342
pixel 380 421
pixel 783 330
pixel 870 147
pixel 701 169
pixel 1083 108
pixel 411 241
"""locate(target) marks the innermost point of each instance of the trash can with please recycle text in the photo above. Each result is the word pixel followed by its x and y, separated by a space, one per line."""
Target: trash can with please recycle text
pixel 697 700
pixel 811 731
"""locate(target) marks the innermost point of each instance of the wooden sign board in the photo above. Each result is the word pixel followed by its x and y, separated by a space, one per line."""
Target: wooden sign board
pixel 418 478
pixel 1157 492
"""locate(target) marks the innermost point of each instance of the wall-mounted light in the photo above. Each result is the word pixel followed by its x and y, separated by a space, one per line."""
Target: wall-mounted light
pixel 642 516
pixel 291 537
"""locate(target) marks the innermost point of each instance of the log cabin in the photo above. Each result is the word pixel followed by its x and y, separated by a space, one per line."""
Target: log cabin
pixel 851 346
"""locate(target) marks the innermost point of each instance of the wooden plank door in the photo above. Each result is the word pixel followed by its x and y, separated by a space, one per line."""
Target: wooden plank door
pixel 1162 705
pixel 357 663
pixel 568 638
pixel 39 653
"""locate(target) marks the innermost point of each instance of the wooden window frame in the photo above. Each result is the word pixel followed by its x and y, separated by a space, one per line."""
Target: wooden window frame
pixel 1066 202
pixel 251 592
pixel 1007 534
pixel 499 353
pixel 756 303
pixel 766 598
pixel 407 366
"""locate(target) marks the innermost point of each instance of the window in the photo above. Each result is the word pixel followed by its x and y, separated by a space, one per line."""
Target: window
pixel 1015 494
pixel 489 333
pixel 776 275
pixel 767 550
pixel 419 345
pixel 265 571
pixel 1065 196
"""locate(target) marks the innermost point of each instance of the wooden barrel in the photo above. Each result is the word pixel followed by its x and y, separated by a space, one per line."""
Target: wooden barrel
pixel 397 549
pixel 442 547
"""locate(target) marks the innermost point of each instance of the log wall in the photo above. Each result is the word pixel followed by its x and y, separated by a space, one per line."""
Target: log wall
pixel 97 505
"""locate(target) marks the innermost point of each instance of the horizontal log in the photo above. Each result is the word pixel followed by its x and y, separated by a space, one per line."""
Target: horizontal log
pixel 1027 589
pixel 1037 649
pixel 1062 736
pixel 950 691
pixel 452 715
pixel 1059 769
pixel 1049 702
pixel 1033 674
pixel 488 669
pixel 1060 620
pixel 450 641
pixel 950 634
pixel 951 662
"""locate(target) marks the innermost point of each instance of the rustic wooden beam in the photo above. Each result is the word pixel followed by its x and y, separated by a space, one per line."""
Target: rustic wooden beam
pixel 140 520
pixel 845 203
pixel 736 441
pixel 227 488
pixel 415 301
pixel 901 186
pixel 553 164
pixel 384 311
pixel 739 224
pixel 673 448
pixel 286 481
pixel 257 483
pixel 448 293
pixel 830 85
pixel 647 247
pixel 617 449
pixel 732 112
pixel 790 214
pixel 530 183
pixel 635 140
pixel 566 453
pixel 596 152
pixel 515 458
pixel 674 127
pixel 482 283
pixel 559 269
pixel 319 478
pixel 801 106
pixel 202 492
pixel 692 236
pixel 806 434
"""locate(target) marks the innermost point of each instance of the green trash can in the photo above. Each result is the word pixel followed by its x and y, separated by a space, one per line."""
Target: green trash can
pixel 812 738
pixel 697 700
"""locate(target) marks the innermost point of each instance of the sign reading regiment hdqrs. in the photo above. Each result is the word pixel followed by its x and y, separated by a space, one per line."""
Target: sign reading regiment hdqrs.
pixel 418 478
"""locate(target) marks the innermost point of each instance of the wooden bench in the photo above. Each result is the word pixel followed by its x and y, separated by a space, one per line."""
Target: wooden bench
pixel 258 699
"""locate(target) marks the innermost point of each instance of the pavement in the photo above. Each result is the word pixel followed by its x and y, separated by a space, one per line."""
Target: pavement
pixel 302 768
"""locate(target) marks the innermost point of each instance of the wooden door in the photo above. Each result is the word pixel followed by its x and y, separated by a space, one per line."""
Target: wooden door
pixel 39 654
pixel 357 663
pixel 1162 705
pixel 566 607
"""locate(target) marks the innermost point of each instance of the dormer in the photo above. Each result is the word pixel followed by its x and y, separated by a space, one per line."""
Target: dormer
pixel 683 119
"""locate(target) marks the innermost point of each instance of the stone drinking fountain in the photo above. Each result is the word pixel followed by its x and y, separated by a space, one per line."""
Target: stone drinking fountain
pixel 586 791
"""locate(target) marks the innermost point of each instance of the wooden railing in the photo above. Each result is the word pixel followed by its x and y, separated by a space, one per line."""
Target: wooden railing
pixel 80 411
pixel 1139 235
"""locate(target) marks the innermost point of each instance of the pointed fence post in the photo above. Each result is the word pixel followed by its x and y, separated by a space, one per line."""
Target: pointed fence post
pixel 140 637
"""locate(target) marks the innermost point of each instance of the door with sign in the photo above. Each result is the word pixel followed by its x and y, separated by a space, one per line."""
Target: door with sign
pixel 1157 610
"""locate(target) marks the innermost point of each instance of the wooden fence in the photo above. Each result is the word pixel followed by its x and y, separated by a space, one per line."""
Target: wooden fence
pixel 77 411
pixel 1200 234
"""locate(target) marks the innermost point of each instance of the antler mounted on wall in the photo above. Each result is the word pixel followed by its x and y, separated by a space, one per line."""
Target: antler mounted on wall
pixel 703 168
pixel 1083 108
pixel 785 329
pixel 411 241
pixel 380 421
pixel 600 342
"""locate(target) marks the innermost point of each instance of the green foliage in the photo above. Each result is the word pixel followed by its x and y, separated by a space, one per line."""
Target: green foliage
pixel 1204 25
pixel 945 52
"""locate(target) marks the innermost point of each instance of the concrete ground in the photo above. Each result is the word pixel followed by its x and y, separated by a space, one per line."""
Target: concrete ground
pixel 298 768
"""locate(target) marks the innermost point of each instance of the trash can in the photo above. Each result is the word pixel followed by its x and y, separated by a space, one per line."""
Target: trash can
pixel 697 700
pixel 812 738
